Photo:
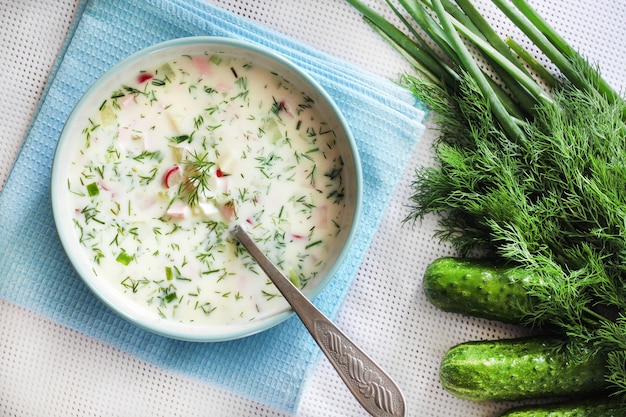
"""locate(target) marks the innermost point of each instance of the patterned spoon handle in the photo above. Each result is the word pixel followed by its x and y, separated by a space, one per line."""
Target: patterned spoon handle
pixel 368 382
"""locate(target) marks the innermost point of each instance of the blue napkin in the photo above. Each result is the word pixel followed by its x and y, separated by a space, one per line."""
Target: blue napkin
pixel 271 367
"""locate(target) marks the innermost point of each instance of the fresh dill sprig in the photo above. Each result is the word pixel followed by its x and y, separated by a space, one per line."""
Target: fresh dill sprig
pixel 197 172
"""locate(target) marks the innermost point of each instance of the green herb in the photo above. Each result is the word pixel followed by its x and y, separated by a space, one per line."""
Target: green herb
pixel 310 245
pixel 207 308
pixel 334 172
pixel 133 90
pixel 91 213
pixel 147 179
pixel 306 104
pixel 198 174
pixel 277 106
pixel 323 130
pixel 198 122
pixel 242 83
pixel 117 94
pixel 311 132
pixel 153 155
pixel 527 173
pixel 166 295
pixel 97 254
pixel 268 295
pixel 181 138
pixel 94 126
pixel 130 284
pixel 311 175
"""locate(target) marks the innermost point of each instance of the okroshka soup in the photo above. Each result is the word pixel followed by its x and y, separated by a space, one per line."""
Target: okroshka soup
pixel 162 159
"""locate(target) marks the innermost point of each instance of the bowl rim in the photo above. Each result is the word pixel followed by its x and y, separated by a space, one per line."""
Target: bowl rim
pixel 179 330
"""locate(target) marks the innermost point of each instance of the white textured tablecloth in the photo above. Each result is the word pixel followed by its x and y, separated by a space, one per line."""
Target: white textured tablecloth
pixel 49 370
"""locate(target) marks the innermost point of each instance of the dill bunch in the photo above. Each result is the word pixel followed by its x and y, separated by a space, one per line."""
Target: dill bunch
pixel 554 202
pixel 528 170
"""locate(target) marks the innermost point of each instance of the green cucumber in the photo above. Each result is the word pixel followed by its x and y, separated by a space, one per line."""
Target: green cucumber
pixel 524 368
pixel 478 288
pixel 603 407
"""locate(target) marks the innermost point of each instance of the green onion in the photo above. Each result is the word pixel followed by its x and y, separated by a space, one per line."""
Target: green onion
pixel 124 258
pixel 170 297
pixel 92 189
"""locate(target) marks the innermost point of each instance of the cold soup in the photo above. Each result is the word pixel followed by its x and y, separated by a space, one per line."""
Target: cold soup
pixel 178 153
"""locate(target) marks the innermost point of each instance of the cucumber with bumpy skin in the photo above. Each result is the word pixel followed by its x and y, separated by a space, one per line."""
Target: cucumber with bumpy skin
pixel 524 368
pixel 603 407
pixel 478 288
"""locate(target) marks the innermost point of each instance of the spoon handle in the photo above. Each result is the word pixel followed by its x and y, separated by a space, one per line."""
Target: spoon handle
pixel 368 382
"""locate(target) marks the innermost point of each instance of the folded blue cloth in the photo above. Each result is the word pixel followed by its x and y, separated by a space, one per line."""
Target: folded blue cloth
pixel 271 367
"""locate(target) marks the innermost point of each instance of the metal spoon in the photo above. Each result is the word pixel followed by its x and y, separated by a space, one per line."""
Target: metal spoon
pixel 367 381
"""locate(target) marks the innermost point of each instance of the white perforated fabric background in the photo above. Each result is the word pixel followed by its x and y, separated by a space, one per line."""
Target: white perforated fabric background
pixel 49 370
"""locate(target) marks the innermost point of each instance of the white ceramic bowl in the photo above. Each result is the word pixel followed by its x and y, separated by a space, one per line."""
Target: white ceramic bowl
pixel 69 144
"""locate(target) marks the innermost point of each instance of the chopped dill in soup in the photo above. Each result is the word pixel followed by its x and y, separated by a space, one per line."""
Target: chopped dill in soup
pixel 176 155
